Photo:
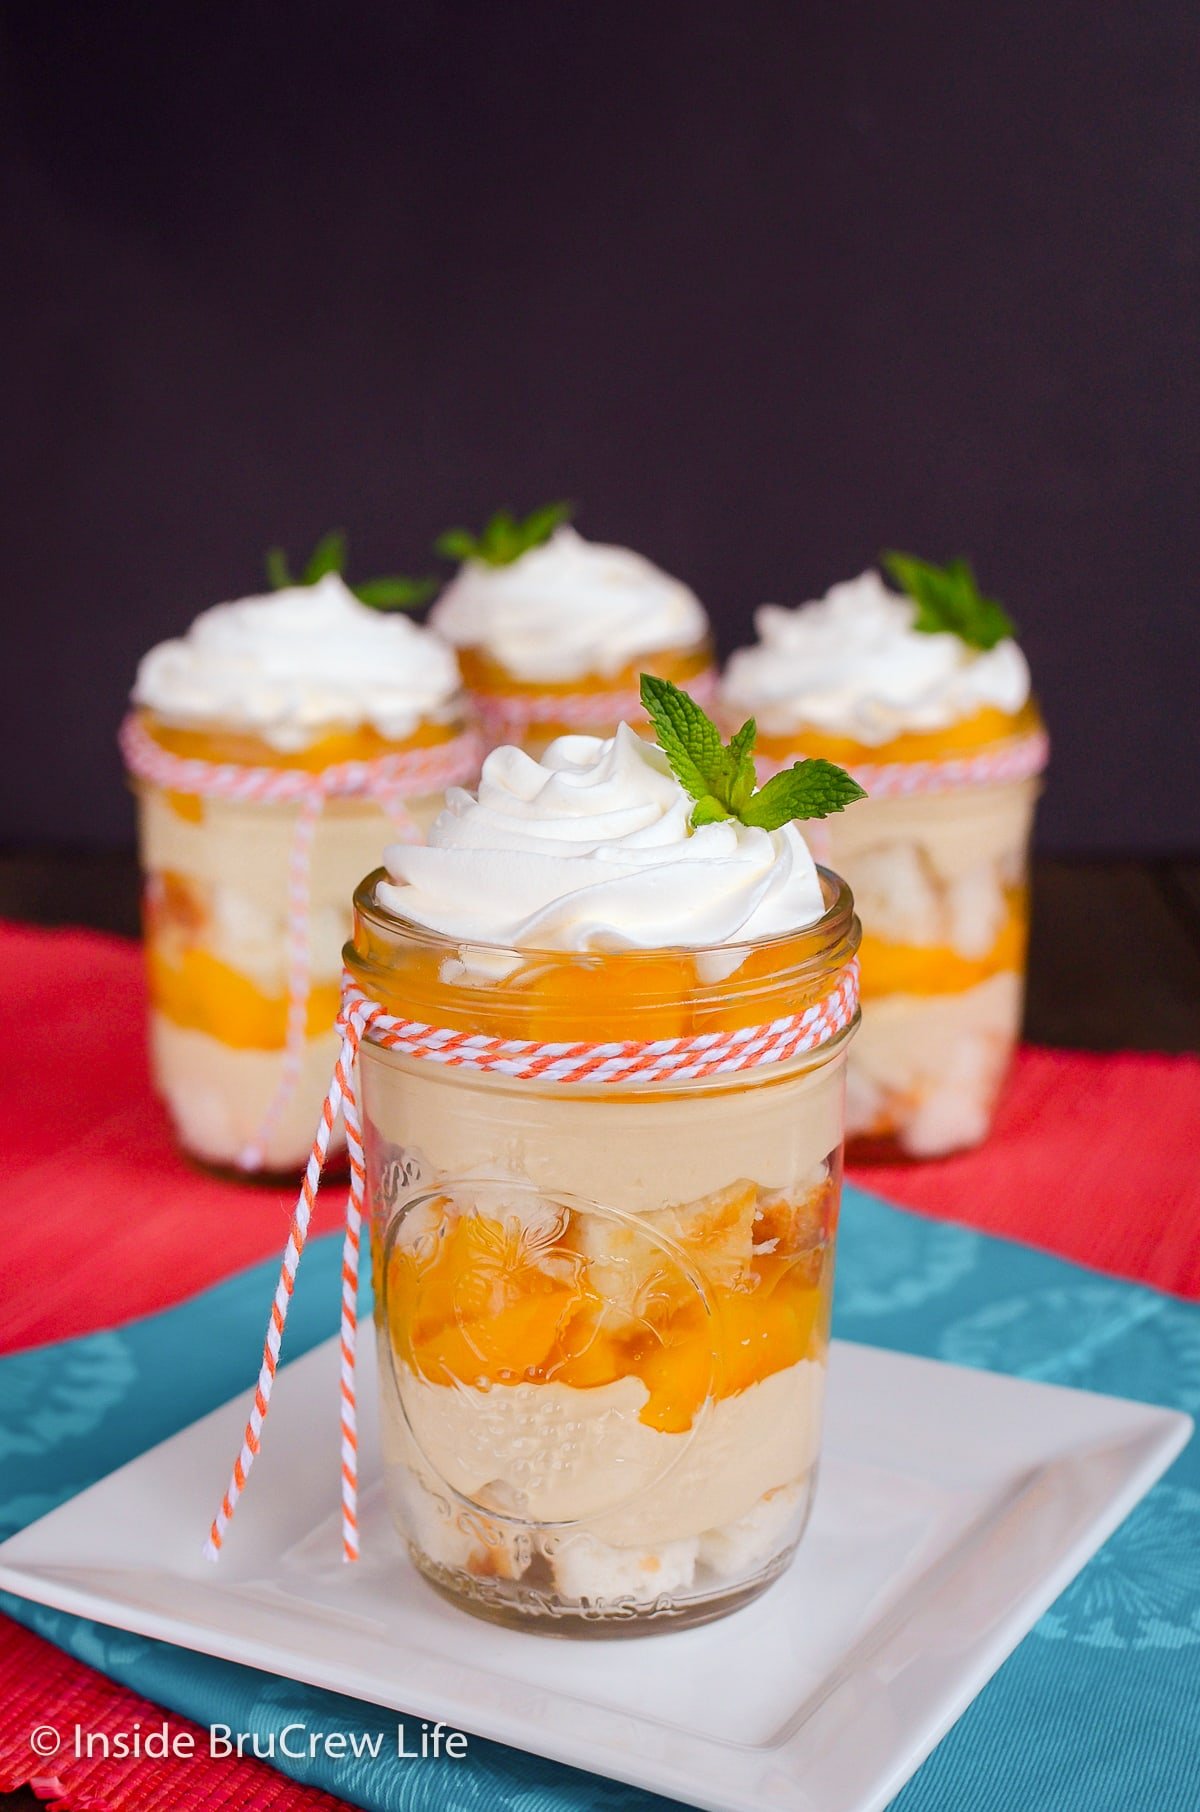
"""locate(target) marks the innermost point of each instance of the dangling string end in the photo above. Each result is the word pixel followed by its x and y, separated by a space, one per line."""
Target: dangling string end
pixel 340 1096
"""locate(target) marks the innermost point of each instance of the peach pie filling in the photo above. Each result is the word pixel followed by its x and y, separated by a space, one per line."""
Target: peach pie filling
pixel 488 678
pixel 582 1302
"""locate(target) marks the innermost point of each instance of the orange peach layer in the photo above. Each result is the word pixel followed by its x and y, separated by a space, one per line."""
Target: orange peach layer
pixel 197 991
pixel 329 749
pixel 928 969
pixel 482 674
pixel 485 1311
pixel 979 731
pixel 614 996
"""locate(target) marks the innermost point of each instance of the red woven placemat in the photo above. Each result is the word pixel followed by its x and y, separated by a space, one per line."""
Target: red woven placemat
pixel 45 1697
pixel 1096 1158
pixel 1093 1158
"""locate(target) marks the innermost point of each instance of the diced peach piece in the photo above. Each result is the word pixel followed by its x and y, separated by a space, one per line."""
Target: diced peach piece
pixel 509 1347
pixel 679 1371
pixel 889 968
pixel 243 748
pixel 761 1333
pixel 484 674
pixel 609 1001
pixel 188 806
pixel 979 731
pixel 202 993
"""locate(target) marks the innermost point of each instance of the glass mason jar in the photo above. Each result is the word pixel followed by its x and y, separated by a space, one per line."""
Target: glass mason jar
pixel 532 713
pixel 602 1307
pixel 216 916
pixel 941 880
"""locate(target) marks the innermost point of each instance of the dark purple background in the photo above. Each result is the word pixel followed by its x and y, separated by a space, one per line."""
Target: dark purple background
pixel 765 287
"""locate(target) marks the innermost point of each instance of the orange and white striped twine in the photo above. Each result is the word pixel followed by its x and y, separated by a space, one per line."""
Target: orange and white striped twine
pixel 388 780
pixel 1020 758
pixel 509 716
pixel 615 1062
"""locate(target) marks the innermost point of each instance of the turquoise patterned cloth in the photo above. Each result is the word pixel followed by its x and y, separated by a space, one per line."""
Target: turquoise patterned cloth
pixel 1097 1711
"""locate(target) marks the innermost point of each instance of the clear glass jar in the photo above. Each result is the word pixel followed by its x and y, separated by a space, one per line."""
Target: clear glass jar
pixel 215 916
pixel 522 711
pixel 941 880
pixel 602 1309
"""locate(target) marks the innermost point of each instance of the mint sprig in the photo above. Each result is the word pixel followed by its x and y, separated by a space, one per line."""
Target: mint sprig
pixel 720 776
pixel 393 592
pixel 949 601
pixel 505 538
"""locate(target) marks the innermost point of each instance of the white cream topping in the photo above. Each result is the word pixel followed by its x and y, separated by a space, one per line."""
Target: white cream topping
pixel 568 609
pixel 299 661
pixel 589 848
pixel 852 664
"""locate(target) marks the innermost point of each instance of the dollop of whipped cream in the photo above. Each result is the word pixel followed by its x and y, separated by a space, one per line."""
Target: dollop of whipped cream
pixel 567 609
pixel 852 664
pixel 589 848
pixel 299 661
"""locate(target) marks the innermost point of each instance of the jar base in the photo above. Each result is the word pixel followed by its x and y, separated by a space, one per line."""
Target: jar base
pixel 337 1170
pixel 515 1605
pixel 886 1148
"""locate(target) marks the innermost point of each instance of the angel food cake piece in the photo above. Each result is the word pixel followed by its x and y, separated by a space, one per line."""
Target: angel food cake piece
pixel 603 1306
pixel 552 630
pixel 308 682
pixel 925 695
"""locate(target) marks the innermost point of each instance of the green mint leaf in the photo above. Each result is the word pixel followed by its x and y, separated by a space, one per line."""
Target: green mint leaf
pixel 456 544
pixel 392 592
pixel 688 738
pixel 328 556
pixel 720 777
pixel 708 811
pixel 949 601
pixel 740 761
pixel 499 543
pixel 395 592
pixel 808 789
pixel 542 523
pixel 278 575
pixel 504 539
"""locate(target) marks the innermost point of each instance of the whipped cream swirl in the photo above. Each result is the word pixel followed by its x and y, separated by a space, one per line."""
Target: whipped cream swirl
pixel 568 609
pixel 298 662
pixel 588 848
pixel 852 664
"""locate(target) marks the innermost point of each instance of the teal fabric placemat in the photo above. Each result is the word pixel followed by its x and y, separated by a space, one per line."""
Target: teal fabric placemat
pixel 1097 1711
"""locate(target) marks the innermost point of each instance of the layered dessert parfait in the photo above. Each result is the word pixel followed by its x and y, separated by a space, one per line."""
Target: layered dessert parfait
pixel 552 631
pixel 603 1131
pixel 274 749
pixel 924 695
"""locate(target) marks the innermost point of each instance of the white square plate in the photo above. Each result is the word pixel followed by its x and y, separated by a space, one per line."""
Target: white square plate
pixel 954 1506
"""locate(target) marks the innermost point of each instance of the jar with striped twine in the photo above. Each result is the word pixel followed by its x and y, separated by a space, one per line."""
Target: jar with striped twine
pixel 388 780
pixel 509 716
pixel 578 1062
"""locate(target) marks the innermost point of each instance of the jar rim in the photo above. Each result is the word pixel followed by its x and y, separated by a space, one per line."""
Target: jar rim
pixel 831 939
